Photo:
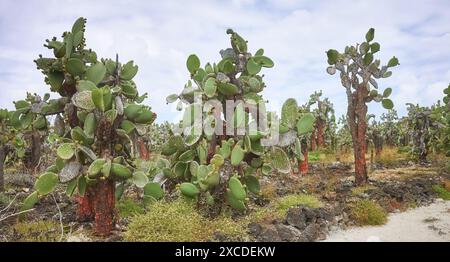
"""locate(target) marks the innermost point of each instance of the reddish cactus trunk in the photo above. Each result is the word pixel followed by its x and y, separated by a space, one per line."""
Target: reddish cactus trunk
pixel 103 204
pixel 143 150
pixel 85 211
pixel 303 165
pixel 357 111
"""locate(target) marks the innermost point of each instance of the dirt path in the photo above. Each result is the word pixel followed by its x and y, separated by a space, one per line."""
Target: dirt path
pixel 429 223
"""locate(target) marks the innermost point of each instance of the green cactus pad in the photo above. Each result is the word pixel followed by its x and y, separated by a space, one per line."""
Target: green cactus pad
pixel 154 190
pixel 129 70
pixel 387 92
pixel 333 56
pixel 253 67
pixel 289 113
pixel 233 202
pixel 128 126
pixel 193 63
pixel 210 87
pixel 95 167
pixel 83 100
pixel 237 155
pixel 393 62
pixel 264 61
pixel 187 156
pixel 46 183
pixel 375 47
pixel 102 98
pixel 65 151
pixel 96 73
pixel 305 124
pixel 225 149
pixel 132 111
pixel 189 190
pixel 266 169
pixel 370 35
pixel 217 160
pixel 30 201
pixel 75 66
pixel 90 125
pixel 139 179
pixel 228 89
pixel 387 103
pixel 279 160
pixel 236 188
pixel 252 184
pixel 120 171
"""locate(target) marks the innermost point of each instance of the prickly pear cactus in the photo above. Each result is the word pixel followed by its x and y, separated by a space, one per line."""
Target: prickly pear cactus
pixel 297 123
pixel 359 71
pixel 446 116
pixel 213 157
pixel 101 116
pixel 325 120
pixel 424 125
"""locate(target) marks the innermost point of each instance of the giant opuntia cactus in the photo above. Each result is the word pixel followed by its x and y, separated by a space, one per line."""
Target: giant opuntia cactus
pixel 423 123
pixel 297 123
pixel 324 114
pixel 446 116
pixel 101 118
pixel 358 72
pixel 222 162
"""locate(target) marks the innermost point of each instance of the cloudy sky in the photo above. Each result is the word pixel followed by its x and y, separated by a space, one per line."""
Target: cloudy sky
pixel 159 35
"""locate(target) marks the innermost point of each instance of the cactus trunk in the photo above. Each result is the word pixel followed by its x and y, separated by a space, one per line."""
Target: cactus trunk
pixel 320 133
pixel 313 141
pixel 143 150
pixel 103 204
pixel 33 161
pixel 2 163
pixel 357 111
pixel 303 165
pixel 85 211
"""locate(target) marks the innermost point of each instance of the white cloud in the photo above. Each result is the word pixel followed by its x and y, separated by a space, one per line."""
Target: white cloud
pixel 160 35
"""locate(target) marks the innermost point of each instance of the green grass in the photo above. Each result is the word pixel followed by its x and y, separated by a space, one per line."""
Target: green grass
pixel 366 212
pixel 442 192
pixel 128 207
pixel 179 221
pixel 37 231
pixel 278 208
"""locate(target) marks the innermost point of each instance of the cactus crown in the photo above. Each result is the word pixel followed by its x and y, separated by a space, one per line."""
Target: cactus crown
pixel 98 117
pixel 213 164
pixel 358 67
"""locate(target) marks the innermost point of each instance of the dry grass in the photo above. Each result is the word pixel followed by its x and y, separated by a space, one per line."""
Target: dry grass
pixel 390 155
pixel 403 173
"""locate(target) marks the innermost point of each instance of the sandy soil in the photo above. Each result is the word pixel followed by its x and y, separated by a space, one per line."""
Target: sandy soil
pixel 429 223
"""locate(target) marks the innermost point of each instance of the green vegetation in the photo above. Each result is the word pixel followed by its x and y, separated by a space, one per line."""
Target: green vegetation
pixel 442 192
pixel 37 231
pixel 367 212
pixel 128 207
pixel 278 208
pixel 179 221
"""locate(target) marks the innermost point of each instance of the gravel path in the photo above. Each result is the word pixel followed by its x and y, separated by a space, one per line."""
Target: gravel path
pixel 429 223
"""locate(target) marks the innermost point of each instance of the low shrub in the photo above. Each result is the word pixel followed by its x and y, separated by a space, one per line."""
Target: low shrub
pixel 366 212
pixel 442 192
pixel 36 231
pixel 179 221
pixel 128 207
